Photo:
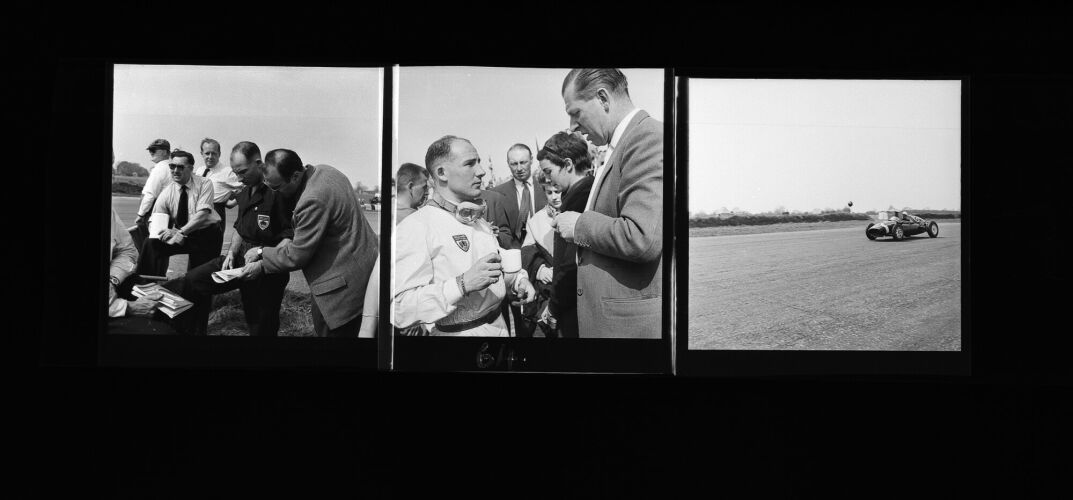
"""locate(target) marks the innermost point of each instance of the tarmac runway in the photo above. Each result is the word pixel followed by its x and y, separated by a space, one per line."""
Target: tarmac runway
pixel 829 289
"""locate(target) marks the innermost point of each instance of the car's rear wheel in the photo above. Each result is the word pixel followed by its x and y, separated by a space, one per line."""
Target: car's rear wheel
pixel 868 232
pixel 898 233
pixel 933 230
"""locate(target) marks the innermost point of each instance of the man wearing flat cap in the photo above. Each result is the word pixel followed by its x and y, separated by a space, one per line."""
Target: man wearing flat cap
pixel 160 155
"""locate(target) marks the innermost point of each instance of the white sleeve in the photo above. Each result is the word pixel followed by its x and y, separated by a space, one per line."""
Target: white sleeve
pixel 153 186
pixel 418 298
pixel 117 308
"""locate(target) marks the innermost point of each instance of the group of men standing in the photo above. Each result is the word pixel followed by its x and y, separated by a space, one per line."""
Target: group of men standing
pixel 601 276
pixel 290 216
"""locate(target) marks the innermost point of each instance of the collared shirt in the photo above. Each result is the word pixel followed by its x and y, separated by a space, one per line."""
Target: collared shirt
pixel 123 259
pixel 433 249
pixel 518 189
pixel 611 145
pixel 159 178
pixel 198 197
pixel 264 216
pixel 224 181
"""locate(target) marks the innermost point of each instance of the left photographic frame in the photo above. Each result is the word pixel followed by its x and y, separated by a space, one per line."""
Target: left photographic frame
pixel 243 227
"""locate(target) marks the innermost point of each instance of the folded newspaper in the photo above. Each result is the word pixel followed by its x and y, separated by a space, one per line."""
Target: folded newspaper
pixel 225 276
pixel 169 303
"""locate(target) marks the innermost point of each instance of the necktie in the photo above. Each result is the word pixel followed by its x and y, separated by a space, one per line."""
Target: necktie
pixel 523 211
pixel 206 172
pixel 182 213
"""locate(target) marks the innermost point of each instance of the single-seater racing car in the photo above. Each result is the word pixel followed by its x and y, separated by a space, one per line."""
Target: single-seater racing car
pixel 898 224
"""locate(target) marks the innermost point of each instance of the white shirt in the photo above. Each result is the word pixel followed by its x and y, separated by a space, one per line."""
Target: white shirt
pixel 123 258
pixel 539 232
pixel 518 190
pixel 224 181
pixel 428 258
pixel 158 179
pixel 198 197
pixel 611 145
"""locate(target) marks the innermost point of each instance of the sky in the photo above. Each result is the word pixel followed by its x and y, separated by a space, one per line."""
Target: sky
pixel 494 108
pixel 328 116
pixel 756 145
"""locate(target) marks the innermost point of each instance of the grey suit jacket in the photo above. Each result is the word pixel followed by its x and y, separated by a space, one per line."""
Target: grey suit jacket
pixel 507 217
pixel 334 245
pixel 620 240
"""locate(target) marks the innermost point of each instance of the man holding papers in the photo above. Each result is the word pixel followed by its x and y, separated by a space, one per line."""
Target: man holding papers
pixel 264 220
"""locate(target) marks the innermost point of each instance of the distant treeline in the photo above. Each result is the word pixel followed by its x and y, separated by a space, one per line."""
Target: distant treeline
pixel 955 215
pixel 127 185
pixel 761 220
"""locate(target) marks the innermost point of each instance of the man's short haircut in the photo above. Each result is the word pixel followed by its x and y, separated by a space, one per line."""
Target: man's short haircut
pixel 565 145
pixel 249 150
pixel 410 172
pixel 286 161
pixel 178 153
pixel 521 146
pixel 440 150
pixel 588 80
pixel 210 141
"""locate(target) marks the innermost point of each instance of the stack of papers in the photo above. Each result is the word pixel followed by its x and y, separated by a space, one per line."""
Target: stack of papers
pixel 225 276
pixel 169 303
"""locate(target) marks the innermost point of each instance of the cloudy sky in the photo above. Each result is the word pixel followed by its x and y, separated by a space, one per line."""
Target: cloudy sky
pixel 494 107
pixel 812 144
pixel 327 115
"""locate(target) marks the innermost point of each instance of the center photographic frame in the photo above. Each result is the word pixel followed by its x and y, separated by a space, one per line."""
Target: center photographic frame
pixel 426 98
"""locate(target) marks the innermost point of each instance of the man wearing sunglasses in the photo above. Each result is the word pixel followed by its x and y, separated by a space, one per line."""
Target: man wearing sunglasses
pixel 193 228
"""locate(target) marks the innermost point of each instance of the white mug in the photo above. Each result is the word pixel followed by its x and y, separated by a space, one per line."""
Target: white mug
pixel 157 222
pixel 511 260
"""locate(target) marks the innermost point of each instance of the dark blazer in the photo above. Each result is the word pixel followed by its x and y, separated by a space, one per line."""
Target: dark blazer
pixel 620 241
pixel 564 272
pixel 333 245
pixel 493 201
pixel 507 217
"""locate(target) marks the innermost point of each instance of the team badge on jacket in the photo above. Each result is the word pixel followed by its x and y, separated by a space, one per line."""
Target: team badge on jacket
pixel 262 221
pixel 462 242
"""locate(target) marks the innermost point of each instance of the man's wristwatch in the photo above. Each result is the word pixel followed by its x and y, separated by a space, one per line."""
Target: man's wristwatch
pixel 113 280
pixel 260 250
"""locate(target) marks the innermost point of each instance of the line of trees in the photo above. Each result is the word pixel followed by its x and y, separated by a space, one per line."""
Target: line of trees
pixel 129 169
pixel 761 220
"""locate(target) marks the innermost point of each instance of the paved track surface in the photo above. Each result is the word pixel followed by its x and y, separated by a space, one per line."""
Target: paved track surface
pixel 127 208
pixel 826 290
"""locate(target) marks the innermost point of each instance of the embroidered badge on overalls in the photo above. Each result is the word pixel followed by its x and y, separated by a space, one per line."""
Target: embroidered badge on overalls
pixel 462 242
pixel 263 221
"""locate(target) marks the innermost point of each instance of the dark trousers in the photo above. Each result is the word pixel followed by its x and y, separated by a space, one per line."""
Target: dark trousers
pixel 262 298
pixel 320 328
pixel 202 245
pixel 566 320
pixel 221 210
pixel 523 327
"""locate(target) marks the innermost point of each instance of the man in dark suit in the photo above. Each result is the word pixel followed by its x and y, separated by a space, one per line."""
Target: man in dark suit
pixel 333 245
pixel 619 235
pixel 519 201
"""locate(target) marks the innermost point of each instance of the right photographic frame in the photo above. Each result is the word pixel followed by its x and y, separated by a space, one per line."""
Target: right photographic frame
pixel 821 224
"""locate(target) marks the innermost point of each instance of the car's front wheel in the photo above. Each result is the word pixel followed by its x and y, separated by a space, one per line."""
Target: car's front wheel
pixel 933 230
pixel 868 232
pixel 898 233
